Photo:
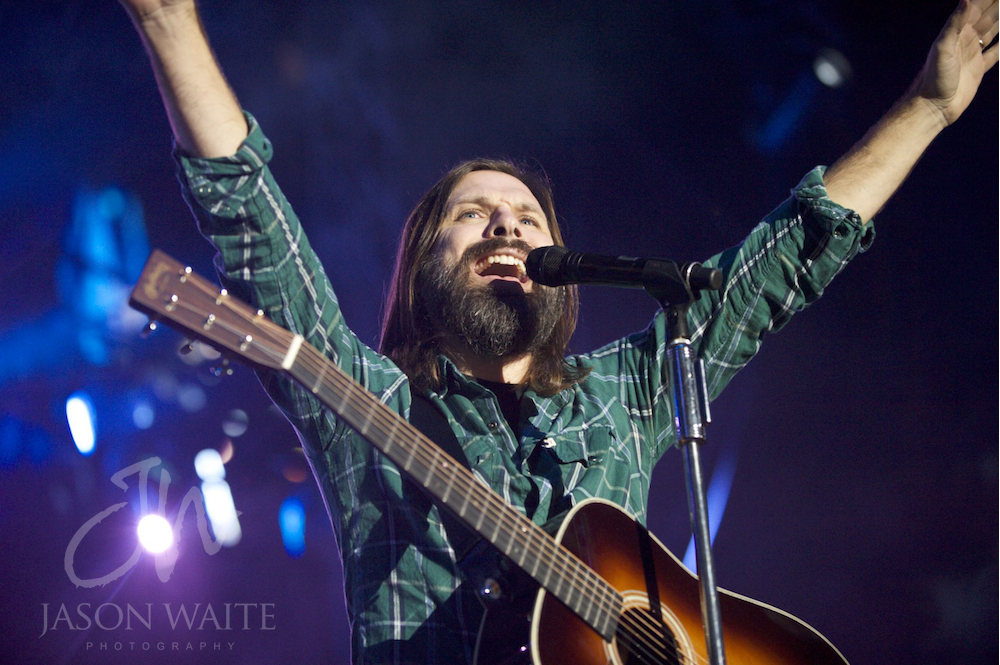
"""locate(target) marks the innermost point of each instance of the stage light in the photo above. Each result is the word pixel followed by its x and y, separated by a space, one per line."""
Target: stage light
pixel 294 473
pixel 227 451
pixel 221 511
pixel 82 422
pixel 155 534
pixel 143 415
pixel 165 387
pixel 235 423
pixel 716 497
pixel 208 465
pixel 292 518
pixel 191 397
pixel 832 68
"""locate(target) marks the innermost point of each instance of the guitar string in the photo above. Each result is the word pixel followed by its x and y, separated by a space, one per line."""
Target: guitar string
pixel 680 657
pixel 349 388
pixel 578 570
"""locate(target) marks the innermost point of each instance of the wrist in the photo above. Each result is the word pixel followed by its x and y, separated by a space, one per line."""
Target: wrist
pixel 929 108
pixel 922 113
pixel 167 22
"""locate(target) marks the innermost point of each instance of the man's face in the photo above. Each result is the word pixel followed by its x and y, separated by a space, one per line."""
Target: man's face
pixel 474 284
pixel 489 205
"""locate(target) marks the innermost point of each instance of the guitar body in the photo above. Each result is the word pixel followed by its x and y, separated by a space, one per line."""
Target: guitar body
pixel 653 582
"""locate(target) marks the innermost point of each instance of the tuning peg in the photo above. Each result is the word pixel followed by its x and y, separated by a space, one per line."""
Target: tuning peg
pixel 222 369
pixel 187 348
pixel 149 329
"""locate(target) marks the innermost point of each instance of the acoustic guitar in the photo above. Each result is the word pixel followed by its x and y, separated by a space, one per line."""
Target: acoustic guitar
pixel 608 590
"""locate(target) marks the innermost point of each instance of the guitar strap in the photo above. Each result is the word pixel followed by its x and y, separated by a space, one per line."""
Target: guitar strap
pixel 479 562
pixel 429 420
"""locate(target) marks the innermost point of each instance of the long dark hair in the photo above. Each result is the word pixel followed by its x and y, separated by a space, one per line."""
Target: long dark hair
pixel 408 335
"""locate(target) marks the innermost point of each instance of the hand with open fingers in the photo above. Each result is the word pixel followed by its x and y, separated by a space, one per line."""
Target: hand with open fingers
pixel 959 58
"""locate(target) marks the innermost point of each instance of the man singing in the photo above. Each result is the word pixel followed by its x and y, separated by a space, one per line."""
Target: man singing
pixel 469 334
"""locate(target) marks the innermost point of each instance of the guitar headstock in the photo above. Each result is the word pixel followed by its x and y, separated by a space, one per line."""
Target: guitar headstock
pixel 170 291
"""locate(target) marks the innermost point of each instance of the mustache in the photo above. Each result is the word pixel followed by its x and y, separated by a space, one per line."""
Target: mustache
pixel 473 252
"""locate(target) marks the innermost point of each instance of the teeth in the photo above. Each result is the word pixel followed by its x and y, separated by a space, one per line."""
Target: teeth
pixel 506 260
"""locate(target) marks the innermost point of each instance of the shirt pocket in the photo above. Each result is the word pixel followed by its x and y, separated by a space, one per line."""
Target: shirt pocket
pixel 594 446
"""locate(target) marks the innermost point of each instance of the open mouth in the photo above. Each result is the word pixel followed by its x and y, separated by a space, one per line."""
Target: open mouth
pixel 501 265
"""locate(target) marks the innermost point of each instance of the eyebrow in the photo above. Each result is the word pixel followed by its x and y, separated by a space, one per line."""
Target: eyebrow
pixel 486 201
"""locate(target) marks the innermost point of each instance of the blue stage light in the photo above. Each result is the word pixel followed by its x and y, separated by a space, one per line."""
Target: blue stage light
pixel 292 518
pixel 82 422
pixel 717 497
pixel 143 414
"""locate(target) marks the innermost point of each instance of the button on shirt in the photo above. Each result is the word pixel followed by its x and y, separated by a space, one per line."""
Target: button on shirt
pixel 600 438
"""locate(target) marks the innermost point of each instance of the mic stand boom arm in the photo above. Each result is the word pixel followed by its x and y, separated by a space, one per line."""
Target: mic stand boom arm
pixel 690 397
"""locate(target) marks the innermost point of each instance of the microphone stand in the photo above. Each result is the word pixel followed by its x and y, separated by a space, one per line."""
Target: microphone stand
pixel 675 291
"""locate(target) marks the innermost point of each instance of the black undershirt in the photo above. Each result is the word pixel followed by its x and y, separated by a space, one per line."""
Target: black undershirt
pixel 510 401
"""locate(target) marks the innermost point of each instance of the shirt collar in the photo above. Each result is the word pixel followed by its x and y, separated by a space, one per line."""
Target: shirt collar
pixel 455 381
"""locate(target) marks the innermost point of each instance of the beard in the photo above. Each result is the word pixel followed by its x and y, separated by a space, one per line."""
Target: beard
pixel 497 319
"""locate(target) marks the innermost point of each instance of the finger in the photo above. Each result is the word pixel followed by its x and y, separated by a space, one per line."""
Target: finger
pixel 990 56
pixel 970 48
pixel 959 18
pixel 989 36
pixel 958 30
pixel 982 6
pixel 988 19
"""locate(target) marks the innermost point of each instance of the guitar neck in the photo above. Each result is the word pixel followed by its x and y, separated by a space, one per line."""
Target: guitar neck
pixel 187 301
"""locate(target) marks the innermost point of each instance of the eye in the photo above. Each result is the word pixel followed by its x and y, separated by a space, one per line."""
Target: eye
pixel 530 220
pixel 468 214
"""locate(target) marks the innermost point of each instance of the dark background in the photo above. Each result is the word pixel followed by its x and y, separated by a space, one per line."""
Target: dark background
pixel 865 493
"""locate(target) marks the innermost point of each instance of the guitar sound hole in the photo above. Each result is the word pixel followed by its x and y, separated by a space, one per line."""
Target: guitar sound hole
pixel 642 639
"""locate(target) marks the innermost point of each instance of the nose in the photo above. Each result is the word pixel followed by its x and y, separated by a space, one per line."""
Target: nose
pixel 503 223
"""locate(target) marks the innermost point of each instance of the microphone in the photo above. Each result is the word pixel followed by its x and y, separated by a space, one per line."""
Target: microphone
pixel 558 266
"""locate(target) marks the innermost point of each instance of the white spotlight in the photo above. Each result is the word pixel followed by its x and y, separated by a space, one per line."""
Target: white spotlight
pixel 222 512
pixel 155 533
pixel 82 421
pixel 236 423
pixel 208 465
pixel 832 68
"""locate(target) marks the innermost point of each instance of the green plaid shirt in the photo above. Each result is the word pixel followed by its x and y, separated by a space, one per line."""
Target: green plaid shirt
pixel 602 437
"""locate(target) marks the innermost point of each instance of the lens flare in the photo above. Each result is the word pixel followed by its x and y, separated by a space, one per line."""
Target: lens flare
pixel 155 534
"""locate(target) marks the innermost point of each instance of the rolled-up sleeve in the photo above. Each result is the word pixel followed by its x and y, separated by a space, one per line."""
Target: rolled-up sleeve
pixel 782 266
pixel 265 259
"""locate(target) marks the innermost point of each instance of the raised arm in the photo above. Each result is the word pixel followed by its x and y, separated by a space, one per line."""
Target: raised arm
pixel 866 177
pixel 203 111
